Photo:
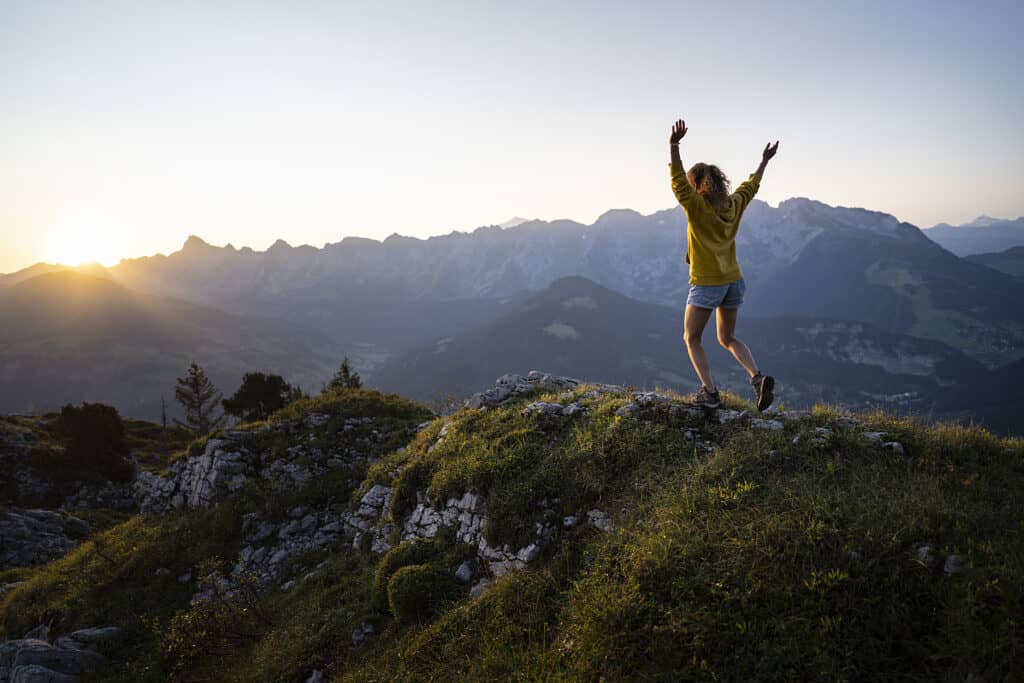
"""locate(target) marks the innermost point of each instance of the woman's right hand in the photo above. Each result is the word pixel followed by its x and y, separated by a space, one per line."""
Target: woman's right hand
pixel 769 152
pixel 678 131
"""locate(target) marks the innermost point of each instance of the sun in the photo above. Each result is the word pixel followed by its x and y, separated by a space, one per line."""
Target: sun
pixel 79 244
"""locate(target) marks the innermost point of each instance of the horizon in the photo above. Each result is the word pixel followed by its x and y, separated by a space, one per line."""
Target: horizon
pixel 519 220
pixel 127 128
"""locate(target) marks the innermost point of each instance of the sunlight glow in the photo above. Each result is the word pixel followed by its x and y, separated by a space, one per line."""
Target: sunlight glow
pixel 76 243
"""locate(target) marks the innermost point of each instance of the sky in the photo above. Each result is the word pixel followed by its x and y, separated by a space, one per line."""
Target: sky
pixel 127 126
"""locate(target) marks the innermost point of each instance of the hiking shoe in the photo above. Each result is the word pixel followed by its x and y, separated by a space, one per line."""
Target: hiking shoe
pixel 707 399
pixel 763 386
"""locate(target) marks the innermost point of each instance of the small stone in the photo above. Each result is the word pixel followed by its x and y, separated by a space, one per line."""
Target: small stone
pixel 628 410
pixel 894 446
pixel 479 588
pixel 464 573
pixel 308 522
pixel 162 571
pixel 185 578
pixel 95 635
pixel 770 425
pixel 872 436
pixel 956 564
pixel 288 585
pixel 543 408
pixel 599 520
pixel 925 554
pixel 570 521
pixel 289 529
pixel 854 556
pixel 362 633
pixel 529 553
pixel 315 676
pixel 572 409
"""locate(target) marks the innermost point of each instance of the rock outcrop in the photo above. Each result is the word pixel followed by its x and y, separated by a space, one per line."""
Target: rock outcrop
pixel 233 458
pixel 30 537
pixel 34 659
pixel 18 479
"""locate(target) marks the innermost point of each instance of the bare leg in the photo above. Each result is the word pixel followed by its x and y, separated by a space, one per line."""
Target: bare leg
pixel 695 321
pixel 739 350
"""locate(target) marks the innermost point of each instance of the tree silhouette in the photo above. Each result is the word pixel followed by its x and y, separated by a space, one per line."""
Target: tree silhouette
pixel 345 378
pixel 259 396
pixel 197 395
pixel 94 439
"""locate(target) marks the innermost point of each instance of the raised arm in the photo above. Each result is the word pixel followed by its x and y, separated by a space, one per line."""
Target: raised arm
pixel 766 156
pixel 681 186
pixel 678 132
pixel 747 189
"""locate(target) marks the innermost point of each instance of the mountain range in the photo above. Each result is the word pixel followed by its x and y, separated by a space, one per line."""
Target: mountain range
pixel 803 258
pixel 983 234
pixel 410 310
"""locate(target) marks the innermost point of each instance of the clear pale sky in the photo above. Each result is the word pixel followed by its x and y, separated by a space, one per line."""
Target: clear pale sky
pixel 126 126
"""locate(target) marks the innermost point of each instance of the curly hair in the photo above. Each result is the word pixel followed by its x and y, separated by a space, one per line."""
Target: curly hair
pixel 710 183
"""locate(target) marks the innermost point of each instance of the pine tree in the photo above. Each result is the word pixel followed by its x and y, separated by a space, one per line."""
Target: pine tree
pixel 345 378
pixel 163 413
pixel 197 395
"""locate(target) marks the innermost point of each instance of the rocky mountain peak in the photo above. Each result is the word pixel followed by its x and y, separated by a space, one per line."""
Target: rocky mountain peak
pixel 513 222
pixel 195 244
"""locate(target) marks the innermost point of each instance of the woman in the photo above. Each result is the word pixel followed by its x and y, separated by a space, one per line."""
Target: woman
pixel 716 282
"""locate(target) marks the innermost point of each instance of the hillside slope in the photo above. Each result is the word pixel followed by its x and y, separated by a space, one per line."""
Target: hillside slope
pixel 1010 261
pixel 554 530
pixel 576 327
pixel 69 337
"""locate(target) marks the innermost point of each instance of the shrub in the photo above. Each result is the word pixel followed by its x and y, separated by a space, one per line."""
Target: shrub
pixel 94 440
pixel 259 396
pixel 217 624
pixel 416 591
pixel 405 554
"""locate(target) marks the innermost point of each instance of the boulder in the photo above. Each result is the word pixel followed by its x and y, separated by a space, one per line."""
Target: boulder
pixel 31 537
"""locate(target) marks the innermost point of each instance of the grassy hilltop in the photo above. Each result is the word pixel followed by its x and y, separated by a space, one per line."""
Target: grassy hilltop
pixel 733 551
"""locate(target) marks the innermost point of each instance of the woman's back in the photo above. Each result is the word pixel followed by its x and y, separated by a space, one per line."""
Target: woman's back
pixel 711 232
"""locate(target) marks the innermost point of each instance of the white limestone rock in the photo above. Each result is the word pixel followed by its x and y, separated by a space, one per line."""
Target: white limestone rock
pixel 768 425
pixel 543 408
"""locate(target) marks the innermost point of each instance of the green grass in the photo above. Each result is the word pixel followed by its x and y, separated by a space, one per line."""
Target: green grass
pixel 152 445
pixel 758 560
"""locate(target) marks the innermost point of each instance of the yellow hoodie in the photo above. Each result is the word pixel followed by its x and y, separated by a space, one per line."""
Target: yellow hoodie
pixel 710 234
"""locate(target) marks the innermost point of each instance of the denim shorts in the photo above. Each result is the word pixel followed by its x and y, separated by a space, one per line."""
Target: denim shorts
pixel 714 296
